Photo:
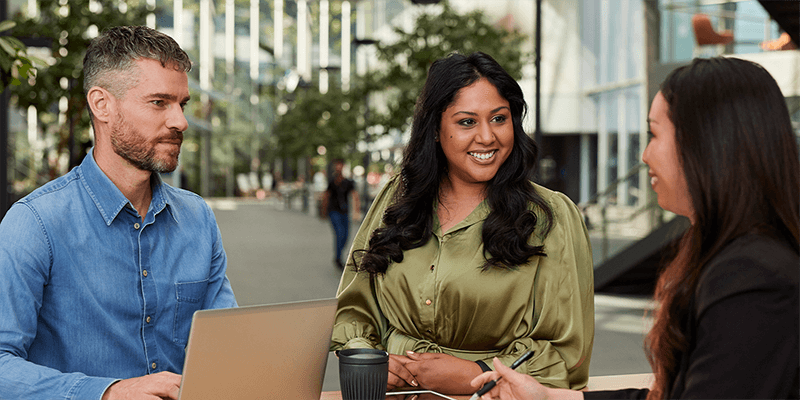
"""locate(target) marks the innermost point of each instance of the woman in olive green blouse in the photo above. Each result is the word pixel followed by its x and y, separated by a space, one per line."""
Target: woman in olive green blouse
pixel 461 257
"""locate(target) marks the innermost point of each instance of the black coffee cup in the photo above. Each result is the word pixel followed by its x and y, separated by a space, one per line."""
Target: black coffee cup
pixel 363 374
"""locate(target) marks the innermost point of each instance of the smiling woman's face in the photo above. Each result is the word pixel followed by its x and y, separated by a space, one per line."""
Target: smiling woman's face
pixel 661 155
pixel 476 134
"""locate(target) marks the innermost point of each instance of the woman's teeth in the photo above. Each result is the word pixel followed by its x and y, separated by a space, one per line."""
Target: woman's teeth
pixel 482 156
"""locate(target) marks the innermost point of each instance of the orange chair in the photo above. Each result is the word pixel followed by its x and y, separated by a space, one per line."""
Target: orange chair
pixel 705 34
pixel 782 43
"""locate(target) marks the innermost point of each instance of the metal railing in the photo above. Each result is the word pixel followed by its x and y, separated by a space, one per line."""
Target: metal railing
pixel 623 215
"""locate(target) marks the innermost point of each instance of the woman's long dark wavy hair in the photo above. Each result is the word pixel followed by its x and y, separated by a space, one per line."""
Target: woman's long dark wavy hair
pixel 409 220
pixel 740 158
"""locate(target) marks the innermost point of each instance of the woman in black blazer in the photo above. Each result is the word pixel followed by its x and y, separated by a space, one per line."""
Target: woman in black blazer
pixel 723 154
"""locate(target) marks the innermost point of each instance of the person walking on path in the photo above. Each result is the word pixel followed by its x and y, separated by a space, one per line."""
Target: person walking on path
pixel 336 207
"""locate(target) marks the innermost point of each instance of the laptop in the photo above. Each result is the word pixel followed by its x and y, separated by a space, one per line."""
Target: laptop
pixel 276 351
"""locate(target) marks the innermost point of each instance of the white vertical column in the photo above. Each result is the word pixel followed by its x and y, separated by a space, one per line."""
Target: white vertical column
pixel 230 65
pixel 34 143
pixel 303 50
pixel 644 106
pixel 33 9
pixel 177 22
pixel 151 17
pixel 254 35
pixel 230 43
pixel 361 33
pixel 346 44
pixel 324 43
pixel 33 126
pixel 623 136
pixel 254 75
pixel 278 20
pixel 602 106
pixel 206 65
pixel 379 15
pixel 206 60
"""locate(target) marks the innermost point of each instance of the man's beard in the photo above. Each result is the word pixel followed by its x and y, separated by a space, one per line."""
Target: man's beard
pixel 129 144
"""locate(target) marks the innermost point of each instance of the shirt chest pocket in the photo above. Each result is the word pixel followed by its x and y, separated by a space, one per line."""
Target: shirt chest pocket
pixel 190 298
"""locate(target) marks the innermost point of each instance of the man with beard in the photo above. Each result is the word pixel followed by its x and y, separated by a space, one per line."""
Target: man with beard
pixel 103 267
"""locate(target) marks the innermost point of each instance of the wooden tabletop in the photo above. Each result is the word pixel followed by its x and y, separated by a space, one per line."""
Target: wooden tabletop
pixel 338 396
pixel 610 382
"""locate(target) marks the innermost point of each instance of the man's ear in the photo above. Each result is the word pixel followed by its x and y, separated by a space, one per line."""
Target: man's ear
pixel 101 102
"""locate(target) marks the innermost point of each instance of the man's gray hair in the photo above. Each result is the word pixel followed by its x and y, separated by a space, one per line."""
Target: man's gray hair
pixel 117 49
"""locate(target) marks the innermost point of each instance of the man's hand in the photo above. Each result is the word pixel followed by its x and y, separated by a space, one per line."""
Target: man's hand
pixel 443 373
pixel 163 385
pixel 398 374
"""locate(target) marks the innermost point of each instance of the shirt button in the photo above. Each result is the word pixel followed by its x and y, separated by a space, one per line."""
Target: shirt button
pixel 428 302
pixel 147 319
pixel 153 365
pixel 144 272
pixel 431 267
pixel 136 226
pixel 428 330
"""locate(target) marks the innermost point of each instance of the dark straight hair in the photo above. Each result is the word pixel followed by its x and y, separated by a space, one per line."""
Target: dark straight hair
pixel 408 222
pixel 740 158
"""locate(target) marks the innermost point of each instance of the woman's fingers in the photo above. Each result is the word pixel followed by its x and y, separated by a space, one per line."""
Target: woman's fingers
pixel 397 368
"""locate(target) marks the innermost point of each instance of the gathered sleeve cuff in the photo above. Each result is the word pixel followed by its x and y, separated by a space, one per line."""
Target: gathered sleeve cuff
pixel 547 365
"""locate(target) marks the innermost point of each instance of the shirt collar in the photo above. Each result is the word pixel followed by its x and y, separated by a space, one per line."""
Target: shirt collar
pixel 477 215
pixel 108 199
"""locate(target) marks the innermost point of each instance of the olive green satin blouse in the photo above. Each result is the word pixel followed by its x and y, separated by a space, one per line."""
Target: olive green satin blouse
pixel 438 300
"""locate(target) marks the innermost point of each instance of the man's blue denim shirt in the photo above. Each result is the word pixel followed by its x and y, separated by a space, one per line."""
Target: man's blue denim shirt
pixel 89 294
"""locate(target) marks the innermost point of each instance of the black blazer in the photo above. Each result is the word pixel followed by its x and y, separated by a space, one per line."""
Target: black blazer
pixel 744 327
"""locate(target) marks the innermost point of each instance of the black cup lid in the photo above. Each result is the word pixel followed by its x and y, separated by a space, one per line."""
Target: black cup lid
pixel 363 356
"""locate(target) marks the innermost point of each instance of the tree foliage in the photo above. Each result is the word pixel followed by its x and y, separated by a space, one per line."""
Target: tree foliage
pixel 16 65
pixel 435 36
pixel 315 119
pixel 398 80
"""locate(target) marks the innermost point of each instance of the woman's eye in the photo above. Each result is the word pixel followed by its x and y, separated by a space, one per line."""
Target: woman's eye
pixel 499 118
pixel 467 122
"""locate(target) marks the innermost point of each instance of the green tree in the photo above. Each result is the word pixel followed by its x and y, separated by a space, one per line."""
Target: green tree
pixel 398 80
pixel 315 119
pixel 68 25
pixel 15 63
pixel 435 36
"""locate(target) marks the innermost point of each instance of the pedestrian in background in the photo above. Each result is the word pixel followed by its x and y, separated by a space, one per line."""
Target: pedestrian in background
pixel 335 206
pixel 723 154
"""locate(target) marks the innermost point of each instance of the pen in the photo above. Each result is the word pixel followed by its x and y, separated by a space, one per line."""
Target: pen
pixel 489 385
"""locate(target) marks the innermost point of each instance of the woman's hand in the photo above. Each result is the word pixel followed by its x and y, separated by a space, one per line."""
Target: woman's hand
pixel 517 386
pixel 399 376
pixel 443 373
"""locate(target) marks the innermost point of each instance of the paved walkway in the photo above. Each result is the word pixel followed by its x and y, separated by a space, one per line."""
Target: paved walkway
pixel 277 255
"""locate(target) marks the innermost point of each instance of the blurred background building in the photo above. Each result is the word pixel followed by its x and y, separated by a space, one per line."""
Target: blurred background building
pixel 280 87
